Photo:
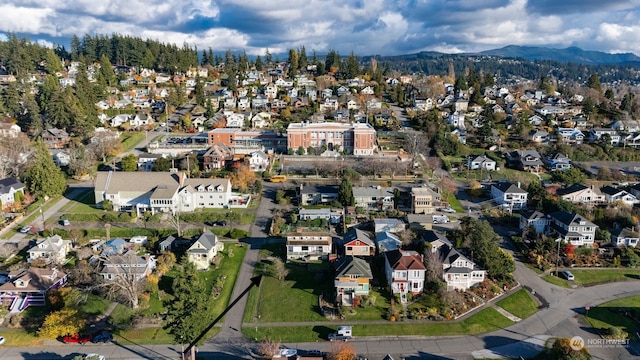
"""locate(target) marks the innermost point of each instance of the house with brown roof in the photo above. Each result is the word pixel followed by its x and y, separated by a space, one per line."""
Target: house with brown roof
pixel 405 272
pixel 29 287
pixel 55 138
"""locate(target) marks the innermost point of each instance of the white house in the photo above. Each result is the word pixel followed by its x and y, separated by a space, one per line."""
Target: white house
pixel 612 195
pixel 308 245
pixel 258 161
pixel 625 237
pixel 141 119
pixel 202 252
pixel 52 248
pixel 128 265
pixel 508 195
pixel 534 219
pixel 573 228
pixel 405 272
pixel 582 194
pixel 481 162
pixel 60 157
pixel 459 272
pixel 118 120
pixel 8 189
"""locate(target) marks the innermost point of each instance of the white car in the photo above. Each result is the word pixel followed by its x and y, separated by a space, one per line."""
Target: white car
pixel 94 357
pixel 25 229
pixel 1 340
pixel 448 210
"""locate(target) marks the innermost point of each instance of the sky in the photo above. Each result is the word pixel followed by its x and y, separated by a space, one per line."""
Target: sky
pixel 366 27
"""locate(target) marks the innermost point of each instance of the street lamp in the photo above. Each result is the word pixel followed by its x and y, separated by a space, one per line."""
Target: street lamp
pixel 42 216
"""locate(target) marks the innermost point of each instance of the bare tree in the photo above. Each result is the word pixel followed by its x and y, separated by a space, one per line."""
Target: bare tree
pixel 415 143
pixel 105 144
pixel 280 270
pixel 268 348
pixel 433 163
pixel 14 153
pixel 433 263
pixel 125 279
pixel 81 161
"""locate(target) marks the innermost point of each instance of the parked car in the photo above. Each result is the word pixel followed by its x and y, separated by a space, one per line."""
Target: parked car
pixel 1 340
pixel 102 337
pixel 94 357
pixel 76 339
pixel 25 229
pixel 567 275
pixel 65 222
pixel 343 333
pixel 448 210
pixel 222 223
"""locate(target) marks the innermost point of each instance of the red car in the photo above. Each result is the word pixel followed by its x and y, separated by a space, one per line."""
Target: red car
pixel 76 338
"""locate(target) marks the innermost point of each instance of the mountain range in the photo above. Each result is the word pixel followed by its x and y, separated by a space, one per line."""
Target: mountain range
pixel 568 55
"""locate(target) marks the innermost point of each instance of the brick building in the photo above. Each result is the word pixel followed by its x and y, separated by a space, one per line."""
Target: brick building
pixel 356 139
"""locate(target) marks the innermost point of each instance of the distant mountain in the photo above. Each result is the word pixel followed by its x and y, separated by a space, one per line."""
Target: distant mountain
pixel 569 55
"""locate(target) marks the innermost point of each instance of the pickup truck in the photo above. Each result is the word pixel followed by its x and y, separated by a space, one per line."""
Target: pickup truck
pixel 343 334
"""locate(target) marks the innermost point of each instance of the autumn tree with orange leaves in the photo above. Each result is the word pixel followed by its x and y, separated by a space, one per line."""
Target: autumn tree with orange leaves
pixel 342 351
pixel 242 177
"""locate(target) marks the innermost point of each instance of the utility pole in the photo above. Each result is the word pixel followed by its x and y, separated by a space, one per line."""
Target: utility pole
pixel 255 281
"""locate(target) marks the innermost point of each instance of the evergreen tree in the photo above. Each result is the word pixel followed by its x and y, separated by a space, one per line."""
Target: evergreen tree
pixel 352 67
pixel 345 193
pixel 199 90
pixel 212 60
pixel 129 163
pixel 11 100
pixel 259 63
pixel 56 113
pixel 267 56
pixel 205 58
pixel 29 117
pixel 303 61
pixel 44 178
pixel 594 82
pixel 187 314
pixel 53 62
pixel 293 63
pixel 75 47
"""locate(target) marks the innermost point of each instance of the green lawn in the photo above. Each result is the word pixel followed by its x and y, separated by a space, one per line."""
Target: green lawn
pixel 150 336
pixel 30 219
pixel 95 305
pixel 131 139
pixel 484 321
pixel 555 280
pixel 454 203
pixel 602 276
pixel 520 304
pixel 122 315
pixel 20 338
pixel 613 313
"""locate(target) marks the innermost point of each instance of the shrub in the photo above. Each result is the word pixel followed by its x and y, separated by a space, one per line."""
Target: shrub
pixel 238 233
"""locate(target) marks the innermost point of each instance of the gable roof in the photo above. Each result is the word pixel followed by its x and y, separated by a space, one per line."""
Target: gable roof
pixel 507 187
pixel 208 239
pixel 610 190
pixel 568 218
pixel 575 188
pixel 405 260
pixel 9 183
pixel 357 234
pixel 352 266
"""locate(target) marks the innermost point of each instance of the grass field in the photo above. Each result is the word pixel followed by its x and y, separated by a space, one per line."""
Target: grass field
pixel 131 139
pixel 455 203
pixel 31 218
pixel 618 312
pixel 520 304
pixel 484 321
pixel 603 276
pixel 555 280
pixel 19 338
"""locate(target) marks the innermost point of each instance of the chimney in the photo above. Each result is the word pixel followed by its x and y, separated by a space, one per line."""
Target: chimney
pixel 518 184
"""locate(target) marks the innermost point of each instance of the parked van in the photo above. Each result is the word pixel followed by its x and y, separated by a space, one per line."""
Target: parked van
pixel 343 334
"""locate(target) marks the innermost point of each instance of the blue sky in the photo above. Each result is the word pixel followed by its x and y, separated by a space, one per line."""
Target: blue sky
pixel 366 27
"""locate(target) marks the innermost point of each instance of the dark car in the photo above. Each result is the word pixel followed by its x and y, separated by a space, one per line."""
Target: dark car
pixel 76 338
pixel 221 223
pixel 102 337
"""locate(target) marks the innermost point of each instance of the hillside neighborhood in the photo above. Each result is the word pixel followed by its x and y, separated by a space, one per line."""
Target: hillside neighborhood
pixel 359 195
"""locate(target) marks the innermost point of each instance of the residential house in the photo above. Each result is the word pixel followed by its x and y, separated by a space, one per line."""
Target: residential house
pixel 358 243
pixel 258 161
pixel 140 120
pixel 424 200
pixel 626 125
pixel 139 240
pixel 234 120
pixel 405 273
pixel 313 214
pixel 367 90
pixel 581 194
pixel 436 241
pixel 534 219
pixel 327 93
pixel 459 272
pixel 146 161
pixel 160 192
pixel 9 129
pixel 456 119
pixel 597 134
pixel 539 136
pixel 216 157
pixel 535 120
pixel 118 120
pixel 30 287
pixel 55 138
pixel 558 162
pixel 628 237
pixel 113 246
pixel 509 195
pixel 53 249
pixel 202 252
pixel 460 135
pixel 570 135
pixel 390 225
pixel 373 104
pixel 524 160
pixel 373 198
pixel 631 140
pixel 317 194
pixel 287 83
pixel 423 104
pixel 261 120
pixel 129 266
pixel 8 189
pixel 420 222
pixel 259 102
pixel 387 241
pixel 351 280
pixel 308 245
pixel 573 228
pixel 612 195
pixel 481 162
